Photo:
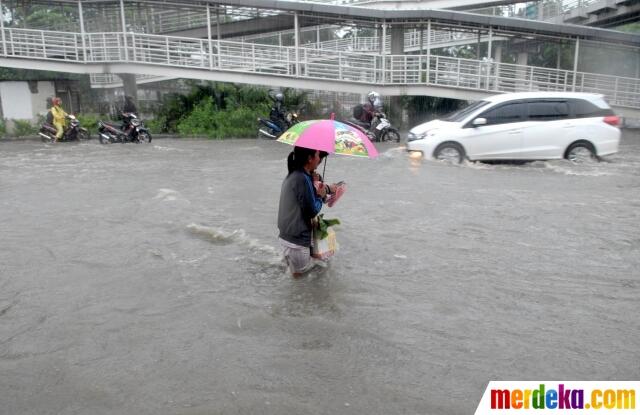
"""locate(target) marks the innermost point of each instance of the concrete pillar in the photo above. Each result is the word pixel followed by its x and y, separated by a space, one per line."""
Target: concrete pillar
pixel 576 59
pixel 82 35
pixel 296 39
pixel 521 72
pixel 497 58
pixel 397 40
pixel 497 54
pixel 218 36
pixel 522 58
pixel 129 85
pixel 209 47
pixel 124 30
pixel 397 48
pixel 4 41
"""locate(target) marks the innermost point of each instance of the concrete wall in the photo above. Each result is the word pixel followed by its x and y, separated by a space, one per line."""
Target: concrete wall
pixel 19 102
pixel 39 99
pixel 15 99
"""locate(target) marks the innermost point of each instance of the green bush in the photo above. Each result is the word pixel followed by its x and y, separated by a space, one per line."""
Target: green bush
pixel 3 128
pixel 207 121
pixel 89 121
pixel 199 121
pixel 156 125
pixel 239 122
pixel 24 128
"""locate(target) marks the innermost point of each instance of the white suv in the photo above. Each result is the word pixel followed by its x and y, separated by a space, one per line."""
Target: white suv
pixel 522 126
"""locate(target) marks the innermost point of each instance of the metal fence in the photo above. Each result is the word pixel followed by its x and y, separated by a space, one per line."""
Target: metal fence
pixel 311 63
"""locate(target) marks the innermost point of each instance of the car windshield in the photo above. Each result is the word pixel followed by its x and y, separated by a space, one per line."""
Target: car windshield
pixel 462 114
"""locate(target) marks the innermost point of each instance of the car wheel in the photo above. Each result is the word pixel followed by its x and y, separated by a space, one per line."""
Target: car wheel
pixel 581 152
pixel 449 152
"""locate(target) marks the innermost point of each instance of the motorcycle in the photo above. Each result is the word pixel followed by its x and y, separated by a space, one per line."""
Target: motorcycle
pixel 72 132
pixel 108 133
pixel 269 129
pixel 379 130
pixel 134 128
pixel 383 130
pixel 133 131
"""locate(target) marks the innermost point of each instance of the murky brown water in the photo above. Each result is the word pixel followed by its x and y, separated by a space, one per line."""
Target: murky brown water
pixel 146 279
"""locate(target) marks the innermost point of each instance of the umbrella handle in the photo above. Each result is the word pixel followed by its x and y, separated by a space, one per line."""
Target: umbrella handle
pixel 325 167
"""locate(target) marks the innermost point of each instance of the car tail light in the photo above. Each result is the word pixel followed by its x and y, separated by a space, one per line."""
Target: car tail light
pixel 612 120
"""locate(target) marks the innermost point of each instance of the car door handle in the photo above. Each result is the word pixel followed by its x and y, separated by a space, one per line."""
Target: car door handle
pixel 515 132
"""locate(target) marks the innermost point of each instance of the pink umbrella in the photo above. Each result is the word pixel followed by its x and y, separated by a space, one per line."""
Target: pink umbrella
pixel 331 136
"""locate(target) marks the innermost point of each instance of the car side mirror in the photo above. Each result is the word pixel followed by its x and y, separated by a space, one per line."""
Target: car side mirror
pixel 479 121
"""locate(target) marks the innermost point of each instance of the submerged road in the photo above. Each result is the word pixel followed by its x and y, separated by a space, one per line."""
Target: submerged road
pixel 146 279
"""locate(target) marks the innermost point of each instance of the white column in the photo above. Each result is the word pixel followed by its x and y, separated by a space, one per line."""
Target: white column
pixel 428 48
pixel 84 45
pixel 209 37
pixel 124 29
pixel 490 43
pixel 489 59
pixel 4 41
pixel 575 63
pixel 296 38
pixel 218 35
pixel 384 50
pixel 498 60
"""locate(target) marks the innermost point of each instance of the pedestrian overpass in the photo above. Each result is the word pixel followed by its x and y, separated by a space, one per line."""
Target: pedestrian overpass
pixel 406 52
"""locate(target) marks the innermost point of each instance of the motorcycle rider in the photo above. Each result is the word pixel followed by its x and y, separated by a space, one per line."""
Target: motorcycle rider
pixel 59 116
pixel 370 108
pixel 278 114
pixel 370 111
pixel 128 108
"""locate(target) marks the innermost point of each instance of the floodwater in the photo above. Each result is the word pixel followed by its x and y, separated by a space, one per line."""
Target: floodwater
pixel 147 279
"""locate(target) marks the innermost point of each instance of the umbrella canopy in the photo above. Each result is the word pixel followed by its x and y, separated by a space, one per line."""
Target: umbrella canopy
pixel 331 136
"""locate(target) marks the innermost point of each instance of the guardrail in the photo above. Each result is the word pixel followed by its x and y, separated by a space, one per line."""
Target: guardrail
pixel 439 38
pixel 311 63
pixel 537 10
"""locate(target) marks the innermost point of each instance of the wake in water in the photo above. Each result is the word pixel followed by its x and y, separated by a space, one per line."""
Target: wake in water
pixel 256 251
pixel 267 259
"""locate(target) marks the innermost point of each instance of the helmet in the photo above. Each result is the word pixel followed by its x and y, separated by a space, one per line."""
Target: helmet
pixel 280 97
pixel 372 96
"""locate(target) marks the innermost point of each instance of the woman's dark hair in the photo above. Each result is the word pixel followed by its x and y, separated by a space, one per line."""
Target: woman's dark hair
pixel 299 157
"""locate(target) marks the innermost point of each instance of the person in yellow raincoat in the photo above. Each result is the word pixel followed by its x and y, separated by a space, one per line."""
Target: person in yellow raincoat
pixel 58 117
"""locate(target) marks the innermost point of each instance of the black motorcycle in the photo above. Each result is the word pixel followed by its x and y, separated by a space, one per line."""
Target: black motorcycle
pixel 132 130
pixel 72 132
pixel 383 130
pixel 110 133
pixel 267 128
pixel 380 128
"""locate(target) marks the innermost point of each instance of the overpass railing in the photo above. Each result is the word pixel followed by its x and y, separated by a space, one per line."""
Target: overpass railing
pixel 537 10
pixel 310 63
